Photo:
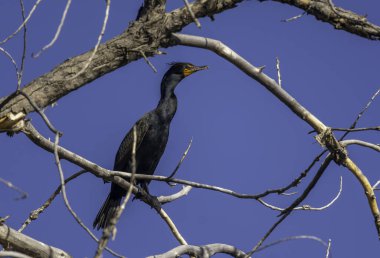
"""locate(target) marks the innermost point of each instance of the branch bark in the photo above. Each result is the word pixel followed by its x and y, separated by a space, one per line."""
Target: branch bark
pixel 341 19
pixel 144 37
pixel 10 239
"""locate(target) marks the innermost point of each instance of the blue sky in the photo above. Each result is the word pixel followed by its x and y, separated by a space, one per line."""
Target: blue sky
pixel 243 137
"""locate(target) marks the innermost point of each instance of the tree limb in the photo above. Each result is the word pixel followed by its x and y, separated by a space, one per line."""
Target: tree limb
pixel 10 239
pixel 340 18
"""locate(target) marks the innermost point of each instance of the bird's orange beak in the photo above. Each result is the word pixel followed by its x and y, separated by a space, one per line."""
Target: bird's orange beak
pixel 193 69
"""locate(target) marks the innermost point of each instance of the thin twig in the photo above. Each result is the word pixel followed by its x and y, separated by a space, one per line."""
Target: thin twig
pixel 148 61
pixel 9 56
pixel 111 228
pixel 180 162
pixel 188 7
pixel 284 214
pixel 34 214
pixel 374 187
pixel 286 239
pixel 278 71
pixel 40 112
pixel 21 71
pixel 306 207
pixel 87 64
pixel 57 32
pixel 24 22
pixel 9 184
pixel 361 113
pixel 66 201
pixel 374 128
pixel 117 176
pixel 328 249
pixel 294 17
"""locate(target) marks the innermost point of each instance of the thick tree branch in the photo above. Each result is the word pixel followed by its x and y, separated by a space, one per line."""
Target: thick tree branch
pixel 146 35
pixel 341 19
pixel 10 239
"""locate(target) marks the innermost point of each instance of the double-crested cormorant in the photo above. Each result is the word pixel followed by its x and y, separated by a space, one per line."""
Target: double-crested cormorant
pixel 152 135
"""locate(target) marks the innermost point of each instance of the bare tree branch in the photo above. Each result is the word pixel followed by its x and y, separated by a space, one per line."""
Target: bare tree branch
pixel 23 23
pixel 9 184
pixel 201 251
pixel 111 228
pixel 34 214
pixel 11 239
pixel 13 254
pixel 325 136
pixel 164 199
pixel 284 214
pixel 338 17
pixel 375 147
pixel 51 43
pixel 307 207
pixel 286 239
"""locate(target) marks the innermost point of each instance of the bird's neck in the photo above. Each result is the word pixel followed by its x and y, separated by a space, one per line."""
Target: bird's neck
pixel 167 106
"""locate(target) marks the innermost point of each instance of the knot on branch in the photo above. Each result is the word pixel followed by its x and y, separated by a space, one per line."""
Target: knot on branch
pixel 327 139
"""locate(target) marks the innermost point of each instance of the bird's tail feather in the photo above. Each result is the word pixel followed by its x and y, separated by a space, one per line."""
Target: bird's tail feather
pixel 107 212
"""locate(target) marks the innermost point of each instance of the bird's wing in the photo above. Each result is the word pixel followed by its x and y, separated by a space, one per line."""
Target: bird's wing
pixel 124 153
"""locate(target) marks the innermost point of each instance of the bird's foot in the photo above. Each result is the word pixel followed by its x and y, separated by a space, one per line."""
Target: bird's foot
pixel 148 198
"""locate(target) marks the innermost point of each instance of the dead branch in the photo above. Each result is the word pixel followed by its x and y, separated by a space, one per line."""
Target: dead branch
pixel 11 239
pixel 325 136
pixel 202 251
pixel 51 43
pixel 34 214
pixel 307 207
pixel 372 146
pixel 339 18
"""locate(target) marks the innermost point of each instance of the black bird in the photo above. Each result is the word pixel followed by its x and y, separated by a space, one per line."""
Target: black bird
pixel 152 135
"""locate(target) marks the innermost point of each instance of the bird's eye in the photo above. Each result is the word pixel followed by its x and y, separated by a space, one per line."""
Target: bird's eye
pixel 187 70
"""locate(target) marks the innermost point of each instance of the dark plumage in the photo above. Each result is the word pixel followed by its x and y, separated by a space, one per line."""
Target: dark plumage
pixel 152 135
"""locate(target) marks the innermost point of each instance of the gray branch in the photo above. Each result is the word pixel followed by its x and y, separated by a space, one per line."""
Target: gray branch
pixel 11 239
pixel 202 251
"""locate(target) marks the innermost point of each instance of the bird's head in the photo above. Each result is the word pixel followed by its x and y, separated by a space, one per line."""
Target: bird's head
pixel 175 74
pixel 184 69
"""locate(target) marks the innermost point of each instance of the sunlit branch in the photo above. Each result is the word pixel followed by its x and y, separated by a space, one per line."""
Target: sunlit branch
pixel 184 191
pixel 111 228
pixel 202 251
pixel 88 62
pixel 284 214
pixel 11 239
pixel 325 136
pixel 305 206
pixel 372 146
pixel 51 43
pixel 64 195
pixel 23 23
